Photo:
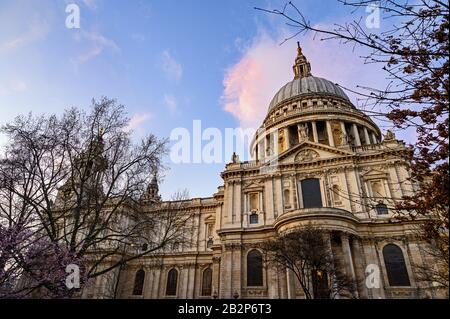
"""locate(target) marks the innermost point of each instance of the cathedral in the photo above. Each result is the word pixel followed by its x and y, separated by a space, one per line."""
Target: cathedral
pixel 317 160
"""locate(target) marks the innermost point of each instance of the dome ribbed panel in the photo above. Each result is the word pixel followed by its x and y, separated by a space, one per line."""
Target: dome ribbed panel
pixel 307 85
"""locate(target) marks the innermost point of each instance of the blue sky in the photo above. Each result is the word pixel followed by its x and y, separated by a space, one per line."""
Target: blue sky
pixel 168 62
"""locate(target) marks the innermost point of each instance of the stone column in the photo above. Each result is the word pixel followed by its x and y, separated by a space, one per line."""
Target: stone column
pixel 366 135
pixel 290 284
pixel 236 273
pixel 330 134
pixel 226 273
pixel 184 280
pixel 344 134
pixel 360 267
pixel 272 282
pixel 278 197
pixel 216 276
pixel 330 247
pixel 230 200
pixel 268 207
pixel 374 138
pixel 287 142
pixel 159 288
pixel 314 128
pixel 294 200
pixel 192 281
pixel 347 257
pixel 237 204
pixel 356 134
pixel 148 283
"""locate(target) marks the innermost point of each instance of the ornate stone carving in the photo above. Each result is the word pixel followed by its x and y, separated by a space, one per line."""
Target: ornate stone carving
pixel 389 136
pixel 303 132
pixel 233 246
pixel 306 155
pixel 281 141
pixel 256 292
pixel 337 133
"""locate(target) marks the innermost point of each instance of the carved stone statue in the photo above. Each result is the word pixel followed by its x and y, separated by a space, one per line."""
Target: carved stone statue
pixel 269 151
pixel 389 136
pixel 281 141
pixel 306 155
pixel 234 158
pixel 344 138
pixel 303 132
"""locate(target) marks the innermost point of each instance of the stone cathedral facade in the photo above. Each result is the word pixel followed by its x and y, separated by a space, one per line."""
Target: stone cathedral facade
pixel 316 160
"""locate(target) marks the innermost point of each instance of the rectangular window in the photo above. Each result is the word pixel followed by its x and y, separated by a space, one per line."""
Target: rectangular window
pixel 311 193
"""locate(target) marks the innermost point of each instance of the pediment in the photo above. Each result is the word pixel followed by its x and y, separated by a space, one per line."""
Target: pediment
pixel 309 152
pixel 252 185
pixel 373 174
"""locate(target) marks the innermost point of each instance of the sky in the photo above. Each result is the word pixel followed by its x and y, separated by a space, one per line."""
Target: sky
pixel 170 63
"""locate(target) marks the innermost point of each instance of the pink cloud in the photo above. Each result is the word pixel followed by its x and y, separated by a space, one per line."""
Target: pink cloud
pixel 137 120
pixel 98 44
pixel 265 66
pixel 253 80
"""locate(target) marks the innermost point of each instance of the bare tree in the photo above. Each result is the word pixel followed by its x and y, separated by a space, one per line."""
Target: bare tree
pixel 413 50
pixel 307 253
pixel 76 186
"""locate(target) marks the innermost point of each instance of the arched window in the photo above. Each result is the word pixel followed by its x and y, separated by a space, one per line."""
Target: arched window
pixel 253 218
pixel 381 209
pixel 139 279
pixel 311 193
pixel 254 268
pixel 172 281
pixel 395 266
pixel 207 282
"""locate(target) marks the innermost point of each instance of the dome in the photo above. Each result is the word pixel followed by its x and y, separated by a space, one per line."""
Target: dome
pixel 306 85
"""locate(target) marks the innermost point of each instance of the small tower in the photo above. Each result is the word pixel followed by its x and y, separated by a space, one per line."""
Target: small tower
pixel 152 193
pixel 301 67
pixel 87 172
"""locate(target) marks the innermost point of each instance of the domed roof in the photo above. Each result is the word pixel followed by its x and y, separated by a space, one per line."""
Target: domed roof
pixel 304 83
pixel 307 85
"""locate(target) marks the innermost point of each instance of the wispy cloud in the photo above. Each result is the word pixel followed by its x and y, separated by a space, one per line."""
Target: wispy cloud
pixel 12 86
pixel 137 120
pixel 171 104
pixel 91 4
pixel 98 43
pixel 171 67
pixel 38 30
